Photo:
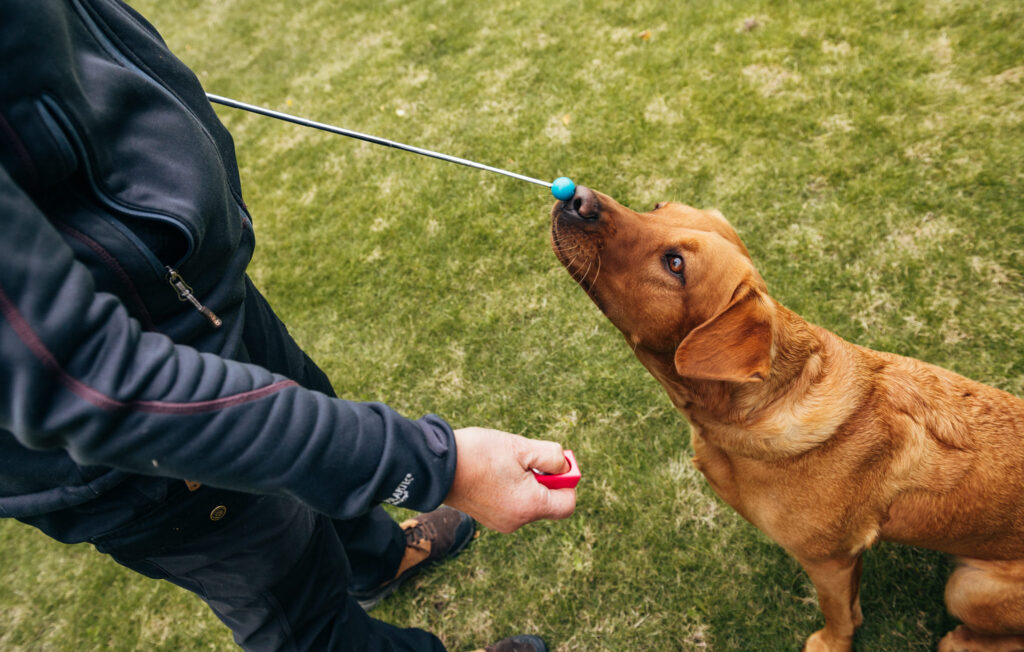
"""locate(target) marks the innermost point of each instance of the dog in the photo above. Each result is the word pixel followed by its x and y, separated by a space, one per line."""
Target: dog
pixel 825 446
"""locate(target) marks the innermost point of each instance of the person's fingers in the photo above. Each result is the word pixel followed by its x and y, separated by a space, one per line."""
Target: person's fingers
pixel 546 456
pixel 561 503
pixel 535 503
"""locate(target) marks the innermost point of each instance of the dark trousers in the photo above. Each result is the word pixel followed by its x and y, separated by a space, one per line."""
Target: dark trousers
pixel 273 571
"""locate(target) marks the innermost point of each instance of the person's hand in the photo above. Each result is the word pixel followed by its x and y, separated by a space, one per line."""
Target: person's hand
pixel 495 485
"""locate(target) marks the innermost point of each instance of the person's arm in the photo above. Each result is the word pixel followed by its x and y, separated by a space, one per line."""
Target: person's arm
pixel 76 372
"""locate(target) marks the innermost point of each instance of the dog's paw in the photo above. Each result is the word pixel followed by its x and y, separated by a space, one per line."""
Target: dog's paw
pixel 962 639
pixel 820 641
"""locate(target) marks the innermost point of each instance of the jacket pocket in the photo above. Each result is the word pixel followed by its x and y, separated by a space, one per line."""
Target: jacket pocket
pixel 163 240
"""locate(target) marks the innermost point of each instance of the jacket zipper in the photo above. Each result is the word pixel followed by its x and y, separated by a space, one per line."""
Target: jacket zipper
pixel 184 292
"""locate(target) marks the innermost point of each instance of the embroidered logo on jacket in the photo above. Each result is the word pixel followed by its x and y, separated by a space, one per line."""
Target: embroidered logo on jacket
pixel 401 493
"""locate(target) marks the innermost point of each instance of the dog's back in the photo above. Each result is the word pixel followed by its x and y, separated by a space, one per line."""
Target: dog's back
pixel 961 480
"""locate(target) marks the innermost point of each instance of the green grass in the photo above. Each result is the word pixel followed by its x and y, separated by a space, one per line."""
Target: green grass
pixel 869 153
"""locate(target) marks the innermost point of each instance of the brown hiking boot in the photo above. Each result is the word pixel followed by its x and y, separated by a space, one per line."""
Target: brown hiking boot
pixel 429 539
pixel 517 644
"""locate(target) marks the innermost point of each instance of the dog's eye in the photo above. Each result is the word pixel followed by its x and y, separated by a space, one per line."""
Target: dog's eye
pixel 660 204
pixel 675 264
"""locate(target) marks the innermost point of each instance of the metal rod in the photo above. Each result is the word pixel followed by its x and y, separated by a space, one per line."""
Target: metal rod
pixel 366 137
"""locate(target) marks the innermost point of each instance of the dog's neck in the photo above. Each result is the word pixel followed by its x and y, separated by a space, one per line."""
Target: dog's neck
pixel 787 414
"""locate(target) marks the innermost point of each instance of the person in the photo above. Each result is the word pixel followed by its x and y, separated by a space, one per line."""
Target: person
pixel 151 402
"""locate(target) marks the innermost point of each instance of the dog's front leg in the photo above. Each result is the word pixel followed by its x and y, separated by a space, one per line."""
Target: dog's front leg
pixel 838 584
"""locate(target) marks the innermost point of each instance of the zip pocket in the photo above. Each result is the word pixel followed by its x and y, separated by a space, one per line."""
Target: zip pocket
pixel 183 291
pixel 56 112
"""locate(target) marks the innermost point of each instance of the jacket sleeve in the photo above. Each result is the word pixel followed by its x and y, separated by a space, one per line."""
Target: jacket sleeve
pixel 78 373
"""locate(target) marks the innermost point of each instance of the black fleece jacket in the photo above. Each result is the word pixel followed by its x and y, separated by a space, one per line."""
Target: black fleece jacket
pixel 119 198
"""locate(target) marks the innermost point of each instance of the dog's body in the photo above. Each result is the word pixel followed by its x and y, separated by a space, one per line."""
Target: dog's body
pixel 825 446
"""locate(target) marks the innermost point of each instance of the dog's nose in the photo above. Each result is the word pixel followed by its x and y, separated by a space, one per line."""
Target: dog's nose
pixel 583 204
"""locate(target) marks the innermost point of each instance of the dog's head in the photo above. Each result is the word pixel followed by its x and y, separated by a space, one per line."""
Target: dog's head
pixel 677 282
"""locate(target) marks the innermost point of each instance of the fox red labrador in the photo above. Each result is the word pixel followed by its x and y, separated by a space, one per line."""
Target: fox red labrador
pixel 826 446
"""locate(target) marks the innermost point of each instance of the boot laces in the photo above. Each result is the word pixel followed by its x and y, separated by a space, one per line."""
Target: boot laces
pixel 420 534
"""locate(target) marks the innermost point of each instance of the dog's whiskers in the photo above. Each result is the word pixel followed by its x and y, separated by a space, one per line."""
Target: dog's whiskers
pixel 575 274
pixel 598 272
pixel 583 277
pixel 560 243
pixel 570 255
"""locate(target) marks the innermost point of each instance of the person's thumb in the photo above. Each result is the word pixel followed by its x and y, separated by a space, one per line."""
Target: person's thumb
pixel 545 456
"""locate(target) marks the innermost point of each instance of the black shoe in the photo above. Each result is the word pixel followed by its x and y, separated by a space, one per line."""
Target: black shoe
pixel 523 643
pixel 429 539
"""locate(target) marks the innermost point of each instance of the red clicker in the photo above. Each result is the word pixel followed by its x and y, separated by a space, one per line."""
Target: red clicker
pixel 565 480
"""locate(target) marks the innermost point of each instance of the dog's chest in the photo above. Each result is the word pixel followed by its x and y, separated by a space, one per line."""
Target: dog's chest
pixel 791 505
pixel 719 469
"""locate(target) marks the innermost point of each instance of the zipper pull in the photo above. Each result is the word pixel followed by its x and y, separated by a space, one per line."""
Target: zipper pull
pixel 184 292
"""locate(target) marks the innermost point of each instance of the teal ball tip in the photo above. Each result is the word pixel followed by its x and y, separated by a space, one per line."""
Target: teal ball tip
pixel 563 188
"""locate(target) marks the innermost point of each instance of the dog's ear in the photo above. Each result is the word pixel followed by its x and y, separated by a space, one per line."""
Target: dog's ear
pixel 734 345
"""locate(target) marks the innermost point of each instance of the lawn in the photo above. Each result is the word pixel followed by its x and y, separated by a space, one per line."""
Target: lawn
pixel 871 155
